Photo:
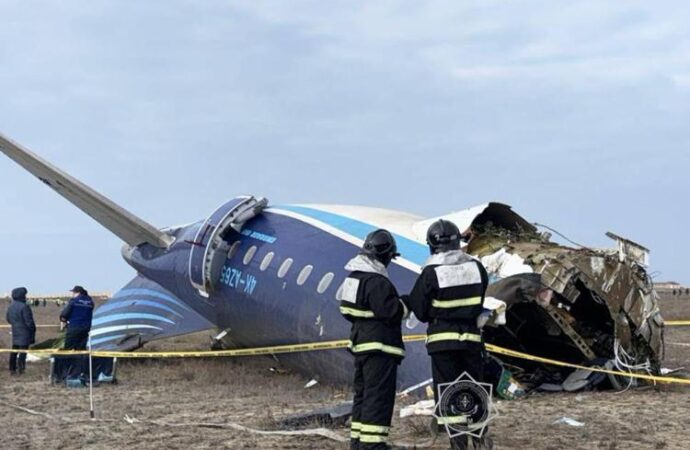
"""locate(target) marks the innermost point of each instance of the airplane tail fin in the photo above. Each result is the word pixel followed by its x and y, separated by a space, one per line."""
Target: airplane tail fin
pixel 128 227
pixel 141 312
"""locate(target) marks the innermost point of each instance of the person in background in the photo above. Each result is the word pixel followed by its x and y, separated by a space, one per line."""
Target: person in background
pixel 20 317
pixel 77 315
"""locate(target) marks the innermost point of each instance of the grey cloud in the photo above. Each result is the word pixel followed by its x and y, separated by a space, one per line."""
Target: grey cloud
pixel 172 107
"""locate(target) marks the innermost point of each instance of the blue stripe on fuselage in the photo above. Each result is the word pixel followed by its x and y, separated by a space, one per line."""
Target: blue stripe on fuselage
pixel 106 339
pixel 129 303
pixel 413 251
pixel 126 316
pixel 151 293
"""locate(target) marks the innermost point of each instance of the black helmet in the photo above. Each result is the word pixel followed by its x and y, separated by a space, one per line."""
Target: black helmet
pixel 380 245
pixel 442 236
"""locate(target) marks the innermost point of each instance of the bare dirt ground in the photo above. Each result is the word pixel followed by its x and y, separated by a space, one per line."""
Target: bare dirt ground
pixel 197 403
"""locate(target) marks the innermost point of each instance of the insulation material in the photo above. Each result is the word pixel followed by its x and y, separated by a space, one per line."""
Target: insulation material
pixel 503 264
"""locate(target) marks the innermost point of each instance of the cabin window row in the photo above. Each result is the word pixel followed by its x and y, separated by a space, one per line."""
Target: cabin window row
pixel 284 267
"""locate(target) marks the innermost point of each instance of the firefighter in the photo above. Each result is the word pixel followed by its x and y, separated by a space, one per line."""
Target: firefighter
pixel 369 300
pixel 449 296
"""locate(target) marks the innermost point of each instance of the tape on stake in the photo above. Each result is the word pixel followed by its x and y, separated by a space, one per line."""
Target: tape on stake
pixel 332 345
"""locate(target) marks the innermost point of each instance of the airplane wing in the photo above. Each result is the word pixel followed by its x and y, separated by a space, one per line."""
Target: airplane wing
pixel 128 227
pixel 141 312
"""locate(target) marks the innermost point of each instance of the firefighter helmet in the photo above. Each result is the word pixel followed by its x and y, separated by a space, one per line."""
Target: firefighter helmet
pixel 442 236
pixel 380 245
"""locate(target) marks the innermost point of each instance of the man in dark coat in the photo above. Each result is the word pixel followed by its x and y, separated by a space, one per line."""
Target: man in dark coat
pixel 21 319
pixel 77 314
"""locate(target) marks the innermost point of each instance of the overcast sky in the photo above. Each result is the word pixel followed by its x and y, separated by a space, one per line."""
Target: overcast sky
pixel 575 113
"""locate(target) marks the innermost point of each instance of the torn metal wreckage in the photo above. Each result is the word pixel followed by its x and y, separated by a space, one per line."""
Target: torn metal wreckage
pixel 580 305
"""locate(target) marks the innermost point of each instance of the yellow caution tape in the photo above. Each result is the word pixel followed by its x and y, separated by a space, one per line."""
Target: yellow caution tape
pixel 332 345
pixel 273 350
pixel 670 323
pixel 48 351
pixel 516 354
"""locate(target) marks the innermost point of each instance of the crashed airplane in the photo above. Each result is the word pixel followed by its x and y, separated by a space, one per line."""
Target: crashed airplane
pixel 268 275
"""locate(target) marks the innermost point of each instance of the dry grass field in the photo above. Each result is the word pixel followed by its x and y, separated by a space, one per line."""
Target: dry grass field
pixel 204 403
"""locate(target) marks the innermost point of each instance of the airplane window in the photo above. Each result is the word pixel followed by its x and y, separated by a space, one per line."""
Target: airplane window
pixel 249 255
pixel 340 290
pixel 284 268
pixel 304 274
pixel 233 249
pixel 325 283
pixel 266 261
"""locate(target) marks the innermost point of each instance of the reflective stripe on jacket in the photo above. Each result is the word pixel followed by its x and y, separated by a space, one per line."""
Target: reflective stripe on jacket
pixel 372 304
pixel 449 297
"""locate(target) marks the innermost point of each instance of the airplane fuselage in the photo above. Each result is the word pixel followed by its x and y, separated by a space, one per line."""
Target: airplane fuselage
pixel 278 285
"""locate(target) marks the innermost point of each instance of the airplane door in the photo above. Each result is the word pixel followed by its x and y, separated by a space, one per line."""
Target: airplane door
pixel 209 249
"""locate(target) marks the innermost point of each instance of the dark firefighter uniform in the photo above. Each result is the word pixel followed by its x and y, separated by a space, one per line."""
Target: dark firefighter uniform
pixel 449 296
pixel 369 300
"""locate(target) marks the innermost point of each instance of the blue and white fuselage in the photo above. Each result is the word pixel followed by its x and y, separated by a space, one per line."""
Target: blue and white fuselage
pixel 268 275
pixel 277 285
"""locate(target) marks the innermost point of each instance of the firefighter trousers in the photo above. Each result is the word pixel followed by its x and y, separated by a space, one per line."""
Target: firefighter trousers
pixel 372 407
pixel 446 367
